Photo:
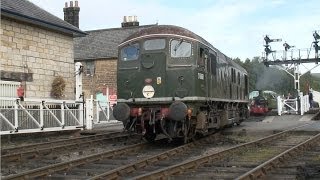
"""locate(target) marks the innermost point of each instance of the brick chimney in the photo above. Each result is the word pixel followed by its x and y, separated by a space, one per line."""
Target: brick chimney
pixel 130 21
pixel 71 13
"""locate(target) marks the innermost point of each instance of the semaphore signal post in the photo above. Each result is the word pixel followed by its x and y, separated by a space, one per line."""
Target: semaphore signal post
pixel 290 58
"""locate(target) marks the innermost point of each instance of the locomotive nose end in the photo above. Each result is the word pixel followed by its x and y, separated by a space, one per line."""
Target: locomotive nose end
pixel 178 111
pixel 121 112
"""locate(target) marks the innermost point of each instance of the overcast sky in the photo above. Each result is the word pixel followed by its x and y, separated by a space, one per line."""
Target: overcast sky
pixel 235 27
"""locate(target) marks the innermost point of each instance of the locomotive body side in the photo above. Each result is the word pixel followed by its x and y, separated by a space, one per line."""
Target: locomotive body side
pixel 171 81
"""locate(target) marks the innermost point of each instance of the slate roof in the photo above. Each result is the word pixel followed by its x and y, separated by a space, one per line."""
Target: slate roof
pixel 26 11
pixel 103 43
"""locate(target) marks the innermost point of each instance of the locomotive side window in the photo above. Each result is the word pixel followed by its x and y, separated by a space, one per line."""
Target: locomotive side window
pixel 213 64
pixel 201 58
pixel 154 44
pixel 207 62
pixel 245 84
pixel 180 48
pixel 130 52
pixel 232 77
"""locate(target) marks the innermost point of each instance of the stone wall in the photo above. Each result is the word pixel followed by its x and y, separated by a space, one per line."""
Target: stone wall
pixel 43 53
pixel 105 76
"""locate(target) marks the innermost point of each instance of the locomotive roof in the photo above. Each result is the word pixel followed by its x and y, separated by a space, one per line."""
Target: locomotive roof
pixel 176 30
pixel 169 29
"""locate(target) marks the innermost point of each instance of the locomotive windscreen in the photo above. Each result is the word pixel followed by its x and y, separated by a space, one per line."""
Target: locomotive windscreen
pixel 130 52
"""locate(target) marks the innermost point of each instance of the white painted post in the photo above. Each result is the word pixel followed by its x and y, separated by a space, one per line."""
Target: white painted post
pixel 108 105
pixel 62 113
pixel 41 115
pixel 279 103
pixel 97 111
pixel 307 102
pixel 79 95
pixel 78 69
pixel 81 111
pixel 302 104
pixel 296 107
pixel 89 119
pixel 16 118
pixel 297 78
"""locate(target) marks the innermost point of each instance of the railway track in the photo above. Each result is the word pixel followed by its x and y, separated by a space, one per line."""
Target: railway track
pixel 245 161
pixel 302 167
pixel 34 146
pixel 125 159
pixel 109 156
pixel 48 152
pixel 145 161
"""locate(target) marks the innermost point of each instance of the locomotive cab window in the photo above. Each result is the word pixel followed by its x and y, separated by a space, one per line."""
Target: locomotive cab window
pixel 180 48
pixel 154 44
pixel 130 52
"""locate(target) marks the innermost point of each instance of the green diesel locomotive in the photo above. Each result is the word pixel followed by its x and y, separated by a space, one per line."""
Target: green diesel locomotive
pixel 171 81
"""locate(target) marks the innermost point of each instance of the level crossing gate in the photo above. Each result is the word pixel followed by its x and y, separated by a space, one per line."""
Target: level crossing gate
pixel 39 115
pixel 35 115
pixel 298 105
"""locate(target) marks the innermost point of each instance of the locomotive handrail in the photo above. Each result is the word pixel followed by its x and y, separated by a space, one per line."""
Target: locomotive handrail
pixel 173 66
pixel 128 68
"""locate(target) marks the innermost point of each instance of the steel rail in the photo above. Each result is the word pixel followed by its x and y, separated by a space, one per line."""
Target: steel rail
pixel 12 150
pixel 116 173
pixel 263 169
pixel 36 152
pixel 194 163
pixel 47 170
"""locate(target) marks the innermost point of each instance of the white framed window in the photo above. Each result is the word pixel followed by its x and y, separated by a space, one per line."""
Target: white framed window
pixel 90 68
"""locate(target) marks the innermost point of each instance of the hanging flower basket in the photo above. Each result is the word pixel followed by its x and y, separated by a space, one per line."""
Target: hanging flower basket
pixel 58 87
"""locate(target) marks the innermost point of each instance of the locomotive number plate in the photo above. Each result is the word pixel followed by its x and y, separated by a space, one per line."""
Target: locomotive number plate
pixel 148 91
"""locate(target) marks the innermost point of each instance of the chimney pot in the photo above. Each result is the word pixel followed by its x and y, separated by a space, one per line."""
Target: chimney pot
pixel 130 21
pixel 71 13
pixel 66 4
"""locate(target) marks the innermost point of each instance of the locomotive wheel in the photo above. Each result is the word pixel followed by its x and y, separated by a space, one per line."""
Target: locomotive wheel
pixel 150 137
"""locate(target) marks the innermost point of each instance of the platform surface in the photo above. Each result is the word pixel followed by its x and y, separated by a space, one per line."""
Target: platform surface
pixel 276 123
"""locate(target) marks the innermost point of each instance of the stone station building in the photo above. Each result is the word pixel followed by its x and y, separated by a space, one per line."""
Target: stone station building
pixel 36 47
